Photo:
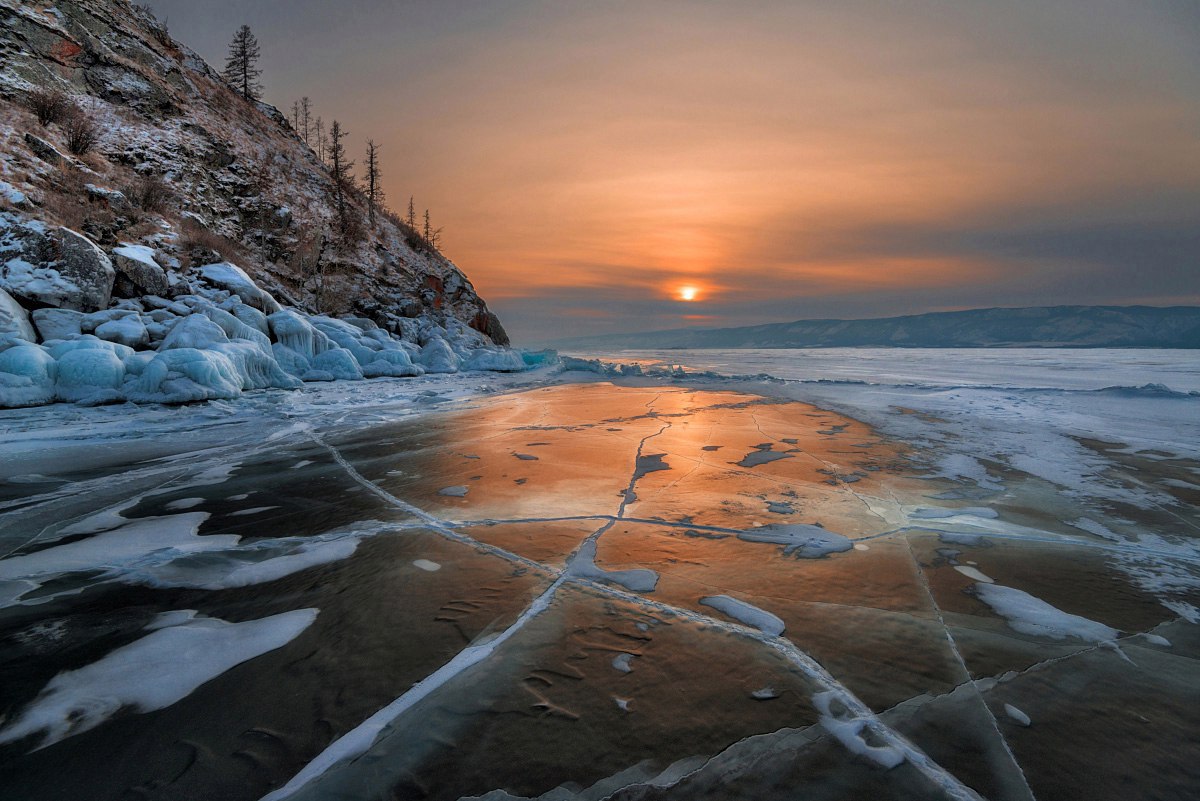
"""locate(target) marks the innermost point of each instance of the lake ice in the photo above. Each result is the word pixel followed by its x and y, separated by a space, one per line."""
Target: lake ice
pixel 972 574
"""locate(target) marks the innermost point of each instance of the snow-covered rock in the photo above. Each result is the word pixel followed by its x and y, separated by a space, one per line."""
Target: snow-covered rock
pixel 136 264
pixel 233 279
pixel 57 323
pixel 59 268
pixel 14 320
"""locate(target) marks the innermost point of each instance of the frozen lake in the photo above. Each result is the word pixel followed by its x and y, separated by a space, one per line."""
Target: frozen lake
pixel 879 574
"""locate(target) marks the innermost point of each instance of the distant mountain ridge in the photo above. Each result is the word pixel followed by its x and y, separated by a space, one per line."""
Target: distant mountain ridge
pixel 1041 326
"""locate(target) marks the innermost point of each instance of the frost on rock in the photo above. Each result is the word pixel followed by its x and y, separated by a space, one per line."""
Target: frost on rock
pixel 14 320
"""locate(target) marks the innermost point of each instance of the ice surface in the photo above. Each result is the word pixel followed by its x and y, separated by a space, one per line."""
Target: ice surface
pixel 151 673
pixel 1030 615
pixel 922 625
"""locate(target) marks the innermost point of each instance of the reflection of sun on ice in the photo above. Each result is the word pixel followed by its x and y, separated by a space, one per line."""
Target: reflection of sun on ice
pixel 688 293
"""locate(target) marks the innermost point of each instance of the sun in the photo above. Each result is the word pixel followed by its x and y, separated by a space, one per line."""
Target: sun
pixel 688 293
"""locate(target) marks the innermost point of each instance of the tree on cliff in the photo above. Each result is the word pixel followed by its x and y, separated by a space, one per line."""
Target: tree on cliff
pixel 340 171
pixel 373 188
pixel 241 66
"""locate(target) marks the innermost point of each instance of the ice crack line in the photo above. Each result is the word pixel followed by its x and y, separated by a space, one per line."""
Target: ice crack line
pixel 360 739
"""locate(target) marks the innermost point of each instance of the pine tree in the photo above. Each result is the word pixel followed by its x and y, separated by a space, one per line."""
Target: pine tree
pixel 426 233
pixel 412 214
pixel 373 187
pixel 339 168
pixel 305 116
pixel 320 135
pixel 241 67
pixel 296 116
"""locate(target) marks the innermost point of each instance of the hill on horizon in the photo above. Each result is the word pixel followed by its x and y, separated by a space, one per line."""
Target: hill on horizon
pixel 1040 326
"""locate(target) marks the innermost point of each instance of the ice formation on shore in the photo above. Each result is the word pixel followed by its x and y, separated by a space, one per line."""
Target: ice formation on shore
pixel 219 335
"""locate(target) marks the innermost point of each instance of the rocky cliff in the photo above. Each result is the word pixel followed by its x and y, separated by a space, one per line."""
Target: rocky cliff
pixel 149 171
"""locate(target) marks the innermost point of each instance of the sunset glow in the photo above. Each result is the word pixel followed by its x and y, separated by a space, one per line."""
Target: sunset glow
pixel 835 160
pixel 688 293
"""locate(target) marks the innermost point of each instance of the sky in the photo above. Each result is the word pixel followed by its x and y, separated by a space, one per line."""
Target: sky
pixel 603 167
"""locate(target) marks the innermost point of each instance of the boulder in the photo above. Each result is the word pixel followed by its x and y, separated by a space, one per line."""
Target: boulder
pixel 60 268
pixel 136 264
pixel 44 150
pixel 112 199
pixel 14 319
pixel 58 323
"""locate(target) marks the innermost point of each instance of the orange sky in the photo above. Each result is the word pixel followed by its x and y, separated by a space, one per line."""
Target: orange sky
pixel 786 159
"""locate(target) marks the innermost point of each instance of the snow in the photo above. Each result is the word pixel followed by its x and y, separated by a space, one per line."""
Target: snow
pixel 1029 615
pixel 139 253
pixel 746 613
pixel 118 547
pixel 799 539
pixel 621 662
pixel 849 730
pixel 974 574
pixel 154 672
pixel 427 565
pixel 925 513
pixel 1016 715
pixel 458 491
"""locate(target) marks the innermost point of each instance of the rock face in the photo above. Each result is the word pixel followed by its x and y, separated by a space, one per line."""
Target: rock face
pixel 237 183
pixel 58 268
pixel 135 263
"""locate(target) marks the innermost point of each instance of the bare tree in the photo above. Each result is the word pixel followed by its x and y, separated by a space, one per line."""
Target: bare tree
pixel 340 171
pixel 432 235
pixel 320 137
pixel 241 66
pixel 296 116
pixel 373 187
pixel 305 116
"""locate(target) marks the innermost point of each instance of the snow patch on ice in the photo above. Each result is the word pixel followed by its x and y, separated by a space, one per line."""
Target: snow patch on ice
pixel 746 613
pixel 1033 616
pixel 799 539
pixel 152 673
